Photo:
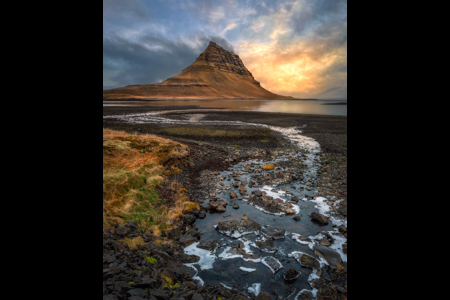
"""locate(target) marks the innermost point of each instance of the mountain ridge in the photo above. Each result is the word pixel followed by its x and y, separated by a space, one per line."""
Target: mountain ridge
pixel 216 74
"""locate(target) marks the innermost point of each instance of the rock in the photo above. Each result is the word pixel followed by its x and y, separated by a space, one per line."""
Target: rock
pixel 319 218
pixel 189 219
pixel 159 294
pixel 220 208
pixel 233 195
pixel 273 232
pixel 121 230
pixel 173 234
pixel 188 239
pixel 146 283
pixel 235 228
pixel 325 242
pixel 268 167
pixel 137 292
pixel 305 295
pixel 257 193
pixel 266 245
pixel 197 296
pixel 291 275
pixel 332 257
pixel 136 298
pixel 344 248
pixel 236 206
pixel 290 211
pixel 207 245
pixel 236 184
pixel 272 263
pixel 132 226
pixel 342 229
pixel 180 273
pixel 296 218
pixel 263 296
pixel 110 297
pixel 306 260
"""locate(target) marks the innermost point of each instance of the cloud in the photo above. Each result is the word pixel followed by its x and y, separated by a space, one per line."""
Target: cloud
pixel 151 59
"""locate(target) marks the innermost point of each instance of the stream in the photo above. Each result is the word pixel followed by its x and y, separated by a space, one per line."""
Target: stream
pixel 224 265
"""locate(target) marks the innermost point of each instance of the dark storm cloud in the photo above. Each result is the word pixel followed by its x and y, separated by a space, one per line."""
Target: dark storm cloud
pixel 151 59
pixel 314 11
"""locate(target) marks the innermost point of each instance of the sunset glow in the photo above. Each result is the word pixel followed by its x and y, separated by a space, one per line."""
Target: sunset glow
pixel 296 48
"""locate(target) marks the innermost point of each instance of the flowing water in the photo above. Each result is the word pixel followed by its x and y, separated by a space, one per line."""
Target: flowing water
pixel 223 265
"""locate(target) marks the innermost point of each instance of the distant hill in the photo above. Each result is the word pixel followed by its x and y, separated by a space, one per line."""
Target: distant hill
pixel 215 74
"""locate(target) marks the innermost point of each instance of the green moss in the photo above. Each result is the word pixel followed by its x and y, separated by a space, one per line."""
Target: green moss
pixel 131 282
pixel 237 146
pixel 150 259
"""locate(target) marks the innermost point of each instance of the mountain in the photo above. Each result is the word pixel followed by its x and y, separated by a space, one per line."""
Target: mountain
pixel 215 74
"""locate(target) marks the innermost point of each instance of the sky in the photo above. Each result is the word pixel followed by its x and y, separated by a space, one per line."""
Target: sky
pixel 292 47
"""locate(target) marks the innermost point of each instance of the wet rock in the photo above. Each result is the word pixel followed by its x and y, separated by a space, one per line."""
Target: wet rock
pixel 306 260
pixel 266 245
pixel 273 232
pixel 305 295
pixel 189 219
pixel 235 228
pixel 332 257
pixel 236 206
pixel 344 248
pixel 236 184
pixel 294 199
pixel 264 296
pixel 233 195
pixel 291 275
pixel 319 218
pixel 201 216
pixel 110 297
pixel 296 218
pixel 220 208
pixel 342 229
pixel 325 242
pixel 257 193
pixel 272 263
pixel 188 239
pixel 188 259
pixel 207 245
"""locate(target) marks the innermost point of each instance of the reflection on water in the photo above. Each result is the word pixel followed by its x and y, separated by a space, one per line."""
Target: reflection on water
pixel 320 107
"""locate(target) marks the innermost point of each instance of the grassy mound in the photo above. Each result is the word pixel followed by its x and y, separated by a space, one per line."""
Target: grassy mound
pixel 133 173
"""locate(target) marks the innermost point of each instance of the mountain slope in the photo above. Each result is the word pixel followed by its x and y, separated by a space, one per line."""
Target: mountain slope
pixel 215 74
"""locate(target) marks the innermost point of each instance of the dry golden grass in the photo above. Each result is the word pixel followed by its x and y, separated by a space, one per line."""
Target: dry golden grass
pixel 134 243
pixel 132 169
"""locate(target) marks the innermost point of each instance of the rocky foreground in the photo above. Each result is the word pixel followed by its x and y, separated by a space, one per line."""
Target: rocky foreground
pixel 154 268
pixel 151 270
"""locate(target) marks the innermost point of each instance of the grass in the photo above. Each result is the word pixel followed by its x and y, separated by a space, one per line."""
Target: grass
pixel 133 173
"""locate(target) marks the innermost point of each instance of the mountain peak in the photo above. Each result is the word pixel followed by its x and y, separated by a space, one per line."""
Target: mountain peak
pixel 216 74
pixel 222 60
